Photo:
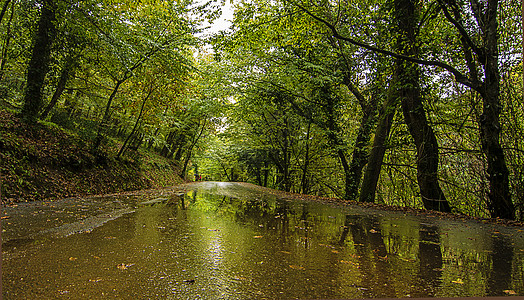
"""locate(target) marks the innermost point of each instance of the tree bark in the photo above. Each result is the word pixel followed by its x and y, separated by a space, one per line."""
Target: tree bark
pixel 376 155
pixel 486 54
pixel 105 119
pixel 39 64
pixel 190 150
pixel 304 182
pixel 121 151
pixel 5 48
pixel 60 87
pixel 406 19
pixel 4 9
pixel 360 152
pixel 500 204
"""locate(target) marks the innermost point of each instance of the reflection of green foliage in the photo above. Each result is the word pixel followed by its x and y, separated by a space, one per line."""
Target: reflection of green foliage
pixel 390 254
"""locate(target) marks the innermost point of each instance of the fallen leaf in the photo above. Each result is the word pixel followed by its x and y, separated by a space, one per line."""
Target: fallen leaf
pixel 72 258
pixel 285 252
pixel 510 292
pixel 350 263
pixel 373 231
pixel 335 251
pixel 258 236
pixel 296 267
pixel 239 278
pixel 124 266
pixel 458 281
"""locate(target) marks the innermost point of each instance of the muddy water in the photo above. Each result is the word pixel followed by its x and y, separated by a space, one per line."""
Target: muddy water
pixel 224 241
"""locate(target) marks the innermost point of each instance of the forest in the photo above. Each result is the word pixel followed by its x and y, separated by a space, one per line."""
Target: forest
pixel 398 102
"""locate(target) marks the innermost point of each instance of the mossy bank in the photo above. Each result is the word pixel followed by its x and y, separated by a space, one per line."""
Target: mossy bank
pixel 43 161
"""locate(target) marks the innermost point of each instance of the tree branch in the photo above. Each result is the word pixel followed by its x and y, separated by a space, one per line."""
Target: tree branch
pixel 459 77
pixel 463 33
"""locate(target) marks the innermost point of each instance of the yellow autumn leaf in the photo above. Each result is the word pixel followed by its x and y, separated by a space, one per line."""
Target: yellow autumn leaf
pixel 296 267
pixel 458 281
pixel 510 292
pixel 124 266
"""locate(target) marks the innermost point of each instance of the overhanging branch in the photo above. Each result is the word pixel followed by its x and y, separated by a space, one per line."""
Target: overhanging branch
pixel 459 77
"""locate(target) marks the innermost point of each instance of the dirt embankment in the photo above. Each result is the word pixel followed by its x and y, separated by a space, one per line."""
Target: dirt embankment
pixel 45 162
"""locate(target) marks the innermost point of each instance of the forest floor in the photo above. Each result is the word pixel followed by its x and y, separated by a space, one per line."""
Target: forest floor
pixel 46 162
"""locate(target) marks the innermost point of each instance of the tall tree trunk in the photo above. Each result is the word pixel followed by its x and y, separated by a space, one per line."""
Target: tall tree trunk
pixel 5 48
pixel 125 76
pixel 405 13
pixel 500 204
pixel 360 152
pixel 180 142
pixel 4 9
pixel 376 155
pixel 105 119
pixel 60 87
pixel 304 183
pixel 121 151
pixel 190 150
pixel 334 137
pixel 39 63
pixel 286 152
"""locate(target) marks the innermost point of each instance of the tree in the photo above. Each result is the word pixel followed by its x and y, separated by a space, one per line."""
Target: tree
pixel 40 58
pixel 480 48
pixel 406 19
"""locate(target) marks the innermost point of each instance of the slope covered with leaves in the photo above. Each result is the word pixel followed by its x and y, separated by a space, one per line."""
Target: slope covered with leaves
pixel 44 162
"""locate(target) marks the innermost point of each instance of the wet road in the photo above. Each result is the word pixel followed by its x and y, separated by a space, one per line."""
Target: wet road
pixel 226 241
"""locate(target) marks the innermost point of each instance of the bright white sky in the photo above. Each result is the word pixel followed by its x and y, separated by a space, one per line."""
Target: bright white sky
pixel 224 21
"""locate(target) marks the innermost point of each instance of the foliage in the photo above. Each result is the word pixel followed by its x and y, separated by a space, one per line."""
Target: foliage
pixel 293 96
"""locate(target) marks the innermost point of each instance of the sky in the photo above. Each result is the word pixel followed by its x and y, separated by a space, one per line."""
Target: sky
pixel 224 21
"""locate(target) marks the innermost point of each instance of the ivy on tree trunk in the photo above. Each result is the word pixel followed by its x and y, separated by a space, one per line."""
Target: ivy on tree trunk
pixel 39 63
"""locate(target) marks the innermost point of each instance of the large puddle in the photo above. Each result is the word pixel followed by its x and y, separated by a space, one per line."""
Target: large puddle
pixel 225 241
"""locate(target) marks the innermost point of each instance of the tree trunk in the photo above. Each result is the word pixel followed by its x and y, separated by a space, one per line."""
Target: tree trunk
pixel 105 119
pixel 60 88
pixel 304 183
pixel 334 133
pixel 414 114
pixel 4 9
pixel 360 152
pixel 500 204
pixel 5 48
pixel 121 151
pixel 190 150
pixel 39 63
pixel 376 155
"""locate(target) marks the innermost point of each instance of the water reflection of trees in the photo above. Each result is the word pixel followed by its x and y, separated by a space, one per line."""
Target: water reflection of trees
pixel 385 257
pixel 501 266
pixel 429 258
